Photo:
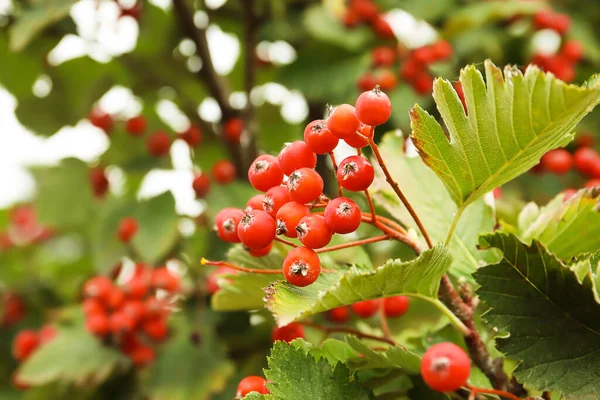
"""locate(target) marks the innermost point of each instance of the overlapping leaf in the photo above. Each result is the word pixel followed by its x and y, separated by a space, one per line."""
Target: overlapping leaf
pixel 552 319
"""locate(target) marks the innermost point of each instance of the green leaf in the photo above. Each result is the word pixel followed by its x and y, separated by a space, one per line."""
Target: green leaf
pixel 329 29
pixel 332 350
pixel 73 357
pixel 294 374
pixel 510 125
pixel 403 98
pixel 434 206
pixel 419 277
pixel 397 357
pixel 553 321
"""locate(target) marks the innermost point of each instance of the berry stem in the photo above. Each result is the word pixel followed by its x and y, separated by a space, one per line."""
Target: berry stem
pixel 398 192
pixel 353 244
pixel 204 261
pixel 355 332
pixel 287 242
pixel 371 206
pixel 385 327
pixel 335 167
pixel 492 391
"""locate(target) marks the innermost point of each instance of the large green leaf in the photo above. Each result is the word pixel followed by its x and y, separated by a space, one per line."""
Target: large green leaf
pixel 329 29
pixel 510 124
pixel 553 321
pixel 396 357
pixel 434 206
pixel 74 357
pixel 419 277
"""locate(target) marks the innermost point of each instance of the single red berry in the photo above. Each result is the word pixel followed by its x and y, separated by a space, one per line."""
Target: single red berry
pixel 342 215
pixel 275 198
pixel 366 9
pixel 410 70
pixel 265 173
pixel 97 324
pixel 383 56
pixel 251 384
pixel 366 308
pixel 261 252
pixel 255 202
pixel 301 266
pixel 201 185
pixel 396 306
pixel 382 29
pixel 121 323
pixel 136 126
pixel 287 333
pixel 313 232
pixel 442 50
pixel 224 172
pixel 13 311
pixel 296 155
pixel 256 229
pixel 164 279
pixel 233 129
pixel 288 217
pixel 116 299
pixel 355 173
pixel 445 367
pixel 226 224
pixel 558 161
pixel 192 135
pixel 137 287
pixel 387 80
pixel 543 19
pixel 373 107
pixel 339 315
pixel 305 185
pixel 128 227
pixel 46 334
pixel 92 306
pixel 366 82
pixel 319 138
pixel 351 18
pixel 136 309
pixel 572 50
pixel 565 71
pixel 98 287
pixel 584 160
pixel 561 23
pixel 24 344
pixel 424 55
pixel 360 138
pixel 99 181
pixel 156 329
pixel 101 120
pixel 584 139
pixel 142 355
pixel 342 121
pixel 423 83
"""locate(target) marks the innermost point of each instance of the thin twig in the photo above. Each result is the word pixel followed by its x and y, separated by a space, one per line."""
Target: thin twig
pixel 355 332
pixel 385 327
pixel 493 391
pixel 371 206
pixel 353 244
pixel 204 261
pixel 335 168
pixel 287 242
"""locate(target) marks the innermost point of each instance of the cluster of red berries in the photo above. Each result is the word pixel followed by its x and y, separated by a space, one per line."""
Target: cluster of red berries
pixel 292 188
pixel 24 228
pixel 28 341
pixel 13 309
pixel 223 172
pixel 130 315
pixel 393 307
pixel 367 12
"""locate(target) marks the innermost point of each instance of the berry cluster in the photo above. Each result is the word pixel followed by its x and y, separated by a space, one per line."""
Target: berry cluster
pixel 130 315
pixel 367 12
pixel 293 189
pixel 223 172
pixel 393 307
pixel 415 69
pixel 24 228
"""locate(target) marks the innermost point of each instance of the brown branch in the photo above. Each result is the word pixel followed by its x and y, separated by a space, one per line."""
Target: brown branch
pixel 350 331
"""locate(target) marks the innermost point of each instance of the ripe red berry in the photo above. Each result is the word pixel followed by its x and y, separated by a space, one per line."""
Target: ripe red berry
pixel 366 308
pixel 136 309
pixel 97 324
pixel 288 217
pixel 261 252
pixel 232 129
pixel 265 173
pixel 584 160
pixel 201 185
pixel 305 185
pixel 366 82
pixel 584 139
pixel 360 138
pixel 13 310
pixel 121 323
pixel 226 224
pixel 373 107
pixel 296 155
pixel 192 135
pixel 423 83
pixel 101 120
pixel 382 29
pixel 342 215
pixel 424 55
pixel 445 367
pixel 572 50
pixel 224 172
pixel 127 229
pixel 342 121
pixel 313 231
pixel 92 306
pixel 593 183
pixel 99 181
pixel 396 306
pixel 25 344
pixel 255 202
pixel 142 355
pixel 410 70
pixel 156 329
pixel 319 138
pixel 117 297
pixel 543 19
pixel 275 198
pixel 442 50
pixel 355 173
pixel 301 266
pixel 387 80
pixel 256 229
pixel 136 126
pixel 288 333
pixel 251 384
pixel 383 56
pixel 98 287
pixel 561 23
pixel 158 143
pixel 558 161
pixel 339 315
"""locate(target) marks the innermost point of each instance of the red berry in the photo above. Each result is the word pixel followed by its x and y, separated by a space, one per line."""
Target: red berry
pixel 275 198
pixel 342 121
pixel 162 278
pixel 97 324
pixel 136 309
pixel 305 185
pixel 296 155
pixel 265 173
pixel 561 23
pixel 192 135
pixel 373 107
pixel 410 70
pixel 339 315
pixel 558 161
pixel 366 9
pixel 251 384
pixel 226 224
pixel 127 229
pixel 584 160
pixel 383 56
pixel 287 333
pixel 156 329
pixel 13 310
pixel 301 266
pixel 224 172
pixel 498 193
pixel 572 50
pixel 261 252
pixel 92 306
pixel 423 83
pixel 445 367
pixel 543 19
pixel 201 185
pixel 25 344
pixel 256 229
pixel 313 232
pixel 319 138
pixel 396 306
pixel 142 355
pixel 355 173
pixel 366 82
pixel 99 181
pixel 101 120
pixel 387 80
pixel 136 126
pixel 366 308
pixel 351 18
pixel 442 50
pixel 156 308
pixel 342 215
pixel 382 29
pixel 288 217
pixel 564 71
pixel 121 323
pixel 98 287
pixel 232 129
pixel 158 143
pixel 360 138
pixel 424 55
pixel 255 202
pixel 584 139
